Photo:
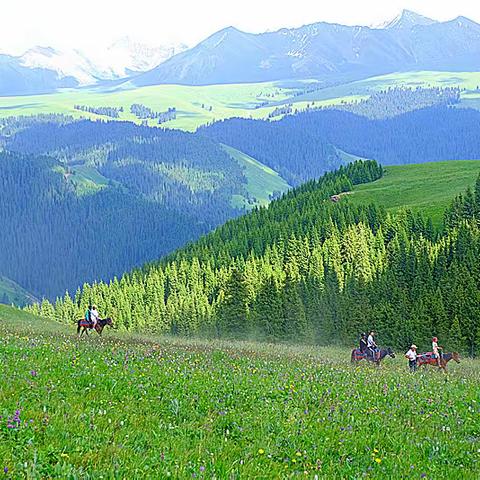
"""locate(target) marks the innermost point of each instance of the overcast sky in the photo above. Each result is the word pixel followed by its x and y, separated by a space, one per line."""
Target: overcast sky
pixel 89 23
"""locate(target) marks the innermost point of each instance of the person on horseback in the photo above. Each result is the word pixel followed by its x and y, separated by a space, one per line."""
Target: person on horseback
pixel 363 343
pixel 371 344
pixel 412 358
pixel 94 316
pixel 88 314
pixel 436 350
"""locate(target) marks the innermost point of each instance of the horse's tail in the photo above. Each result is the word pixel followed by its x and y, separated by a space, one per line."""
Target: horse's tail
pixel 352 359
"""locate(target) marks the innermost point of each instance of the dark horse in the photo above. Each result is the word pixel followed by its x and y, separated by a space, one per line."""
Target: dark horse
pixel 357 355
pixel 82 323
pixel 428 359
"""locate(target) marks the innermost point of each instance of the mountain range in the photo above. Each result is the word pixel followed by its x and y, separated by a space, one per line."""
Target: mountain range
pixel 323 51
pixel 45 69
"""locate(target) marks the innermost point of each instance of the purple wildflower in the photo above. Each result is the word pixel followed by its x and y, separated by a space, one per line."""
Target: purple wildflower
pixel 5 470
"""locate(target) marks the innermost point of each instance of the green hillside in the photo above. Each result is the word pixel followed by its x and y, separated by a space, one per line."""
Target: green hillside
pixel 12 293
pixel 262 181
pixel 198 105
pixel 195 105
pixel 427 188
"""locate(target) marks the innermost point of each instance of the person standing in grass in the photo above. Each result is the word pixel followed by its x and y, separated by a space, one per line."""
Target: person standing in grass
pixel 412 358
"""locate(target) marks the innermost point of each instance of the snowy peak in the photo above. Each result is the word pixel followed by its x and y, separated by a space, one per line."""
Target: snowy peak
pixel 121 59
pixel 407 20
pixel 133 56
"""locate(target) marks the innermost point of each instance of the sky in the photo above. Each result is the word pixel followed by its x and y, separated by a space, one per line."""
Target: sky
pixel 88 24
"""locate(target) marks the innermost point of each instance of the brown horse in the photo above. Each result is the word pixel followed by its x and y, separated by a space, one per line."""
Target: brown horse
pixel 428 359
pixel 82 323
pixel 357 355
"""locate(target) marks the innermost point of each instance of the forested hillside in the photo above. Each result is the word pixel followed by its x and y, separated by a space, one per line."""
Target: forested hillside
pixel 89 200
pixel 301 146
pixel 309 269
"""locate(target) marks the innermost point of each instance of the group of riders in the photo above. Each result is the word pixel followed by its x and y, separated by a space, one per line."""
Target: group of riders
pixel 369 347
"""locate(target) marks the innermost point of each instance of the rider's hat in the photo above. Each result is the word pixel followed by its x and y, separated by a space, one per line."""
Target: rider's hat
pixel 414 346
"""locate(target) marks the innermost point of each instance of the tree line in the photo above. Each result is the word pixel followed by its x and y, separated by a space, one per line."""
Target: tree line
pixel 310 270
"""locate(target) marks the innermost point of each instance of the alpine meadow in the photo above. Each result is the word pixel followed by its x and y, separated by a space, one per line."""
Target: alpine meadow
pixel 250 253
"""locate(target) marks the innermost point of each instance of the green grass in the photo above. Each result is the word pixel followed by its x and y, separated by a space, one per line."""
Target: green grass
pixel 14 293
pixel 228 101
pixel 262 181
pixel 428 187
pixel 134 407
pixel 87 180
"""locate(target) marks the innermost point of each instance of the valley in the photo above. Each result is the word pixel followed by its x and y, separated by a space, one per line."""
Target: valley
pixel 194 240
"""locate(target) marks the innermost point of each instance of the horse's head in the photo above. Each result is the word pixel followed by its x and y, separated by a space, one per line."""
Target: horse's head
pixel 109 322
pixel 456 357
pixel 390 352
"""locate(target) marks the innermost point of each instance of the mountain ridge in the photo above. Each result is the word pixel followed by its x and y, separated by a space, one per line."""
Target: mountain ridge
pixel 323 50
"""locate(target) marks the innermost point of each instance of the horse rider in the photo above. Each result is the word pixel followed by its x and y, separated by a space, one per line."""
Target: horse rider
pixel 88 315
pixel 95 316
pixel 371 344
pixel 363 343
pixel 412 358
pixel 436 350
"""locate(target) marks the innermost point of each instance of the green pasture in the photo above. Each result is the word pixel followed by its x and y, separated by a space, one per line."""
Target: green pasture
pixel 428 187
pixel 142 407
pixel 251 100
pixel 226 101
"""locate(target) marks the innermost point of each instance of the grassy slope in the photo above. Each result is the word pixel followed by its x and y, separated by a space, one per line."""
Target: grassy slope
pixel 229 100
pixel 15 293
pixel 127 407
pixel 262 181
pixel 226 100
pixel 428 188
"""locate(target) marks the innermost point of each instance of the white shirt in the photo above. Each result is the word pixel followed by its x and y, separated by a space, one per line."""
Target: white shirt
pixel 94 315
pixel 411 355
pixel 435 348
pixel 370 341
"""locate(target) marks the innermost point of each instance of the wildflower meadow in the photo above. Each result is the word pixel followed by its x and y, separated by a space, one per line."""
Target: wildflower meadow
pixel 122 406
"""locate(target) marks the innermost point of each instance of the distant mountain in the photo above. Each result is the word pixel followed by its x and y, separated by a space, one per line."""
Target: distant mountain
pixel 121 59
pixel 45 69
pixel 18 79
pixel 407 20
pixel 324 50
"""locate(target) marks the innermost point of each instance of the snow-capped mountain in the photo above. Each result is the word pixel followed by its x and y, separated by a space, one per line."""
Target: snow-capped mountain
pixel 121 59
